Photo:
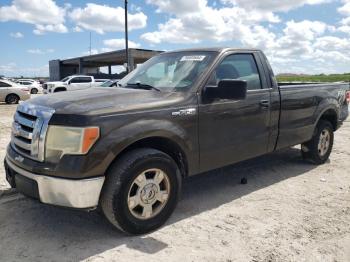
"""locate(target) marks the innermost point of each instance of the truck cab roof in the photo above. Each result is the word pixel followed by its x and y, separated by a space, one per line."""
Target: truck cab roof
pixel 215 49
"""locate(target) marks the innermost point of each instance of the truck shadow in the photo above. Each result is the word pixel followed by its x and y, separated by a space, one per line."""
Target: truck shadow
pixel 33 231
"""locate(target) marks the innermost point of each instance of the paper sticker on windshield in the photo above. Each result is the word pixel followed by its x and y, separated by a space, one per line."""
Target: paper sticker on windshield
pixel 198 58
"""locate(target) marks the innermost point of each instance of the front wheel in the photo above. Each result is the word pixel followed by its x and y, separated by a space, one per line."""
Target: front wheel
pixel 319 148
pixel 34 91
pixel 141 191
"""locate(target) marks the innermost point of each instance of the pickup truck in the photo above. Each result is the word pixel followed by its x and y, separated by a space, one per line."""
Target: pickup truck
pixel 126 150
pixel 72 83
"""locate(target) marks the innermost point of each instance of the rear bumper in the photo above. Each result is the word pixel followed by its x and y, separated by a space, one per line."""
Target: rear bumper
pixel 82 194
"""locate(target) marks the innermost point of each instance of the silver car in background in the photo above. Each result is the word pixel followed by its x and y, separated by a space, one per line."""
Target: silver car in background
pixel 12 93
pixel 33 85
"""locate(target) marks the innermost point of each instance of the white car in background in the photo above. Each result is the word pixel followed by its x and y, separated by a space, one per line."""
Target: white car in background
pixel 33 85
pixel 12 93
pixel 72 83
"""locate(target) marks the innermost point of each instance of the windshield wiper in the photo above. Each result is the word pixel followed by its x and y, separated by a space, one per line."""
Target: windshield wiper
pixel 144 86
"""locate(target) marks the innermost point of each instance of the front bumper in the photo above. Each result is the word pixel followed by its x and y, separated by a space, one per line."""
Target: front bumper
pixel 82 194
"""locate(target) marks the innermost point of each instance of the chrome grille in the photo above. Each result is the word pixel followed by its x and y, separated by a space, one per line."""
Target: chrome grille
pixel 29 130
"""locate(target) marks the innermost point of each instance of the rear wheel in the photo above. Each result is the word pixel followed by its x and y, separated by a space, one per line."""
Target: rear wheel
pixel 12 99
pixel 34 91
pixel 141 191
pixel 319 148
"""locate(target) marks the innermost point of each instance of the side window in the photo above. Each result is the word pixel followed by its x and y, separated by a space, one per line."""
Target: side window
pixel 238 66
pixel 3 84
pixel 75 80
pixel 85 80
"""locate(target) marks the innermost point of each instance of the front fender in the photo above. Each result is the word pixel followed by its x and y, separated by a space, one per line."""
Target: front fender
pixel 117 140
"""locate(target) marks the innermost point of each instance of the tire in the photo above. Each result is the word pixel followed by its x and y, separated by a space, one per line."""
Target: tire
pixel 12 99
pixel 121 187
pixel 317 150
pixel 34 91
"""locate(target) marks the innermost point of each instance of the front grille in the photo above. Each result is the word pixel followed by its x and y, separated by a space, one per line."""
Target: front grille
pixel 29 130
pixel 44 86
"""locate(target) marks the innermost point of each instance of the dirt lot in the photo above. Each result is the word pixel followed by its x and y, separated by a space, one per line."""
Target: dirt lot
pixel 288 211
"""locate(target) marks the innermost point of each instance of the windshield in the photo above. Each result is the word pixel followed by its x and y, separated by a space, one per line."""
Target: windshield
pixel 170 71
pixel 65 79
pixel 107 83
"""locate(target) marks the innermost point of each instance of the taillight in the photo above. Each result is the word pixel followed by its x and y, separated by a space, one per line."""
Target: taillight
pixel 348 96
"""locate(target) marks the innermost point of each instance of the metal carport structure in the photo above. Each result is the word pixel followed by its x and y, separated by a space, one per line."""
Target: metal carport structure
pixel 90 64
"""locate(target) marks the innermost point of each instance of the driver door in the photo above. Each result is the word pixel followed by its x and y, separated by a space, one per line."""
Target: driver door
pixel 231 131
pixel 80 83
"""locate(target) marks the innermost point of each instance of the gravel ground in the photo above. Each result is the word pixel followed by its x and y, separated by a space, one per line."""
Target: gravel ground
pixel 288 211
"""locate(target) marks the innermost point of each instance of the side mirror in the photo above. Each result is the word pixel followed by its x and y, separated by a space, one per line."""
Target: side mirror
pixel 227 89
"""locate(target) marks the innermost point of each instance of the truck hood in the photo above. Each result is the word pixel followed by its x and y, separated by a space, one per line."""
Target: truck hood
pixel 102 100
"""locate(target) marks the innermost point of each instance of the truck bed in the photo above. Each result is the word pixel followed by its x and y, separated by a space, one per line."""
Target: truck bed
pixel 301 105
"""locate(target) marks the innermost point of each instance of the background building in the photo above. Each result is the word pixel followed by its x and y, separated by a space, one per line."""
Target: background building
pixel 91 64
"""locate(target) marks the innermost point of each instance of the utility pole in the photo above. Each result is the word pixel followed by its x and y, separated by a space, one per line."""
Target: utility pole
pixel 90 44
pixel 126 37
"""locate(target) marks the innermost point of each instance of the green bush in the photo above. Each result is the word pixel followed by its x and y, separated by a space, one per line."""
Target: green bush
pixel 315 78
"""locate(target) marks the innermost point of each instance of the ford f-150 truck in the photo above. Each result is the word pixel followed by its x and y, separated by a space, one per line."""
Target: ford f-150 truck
pixel 127 150
pixel 72 83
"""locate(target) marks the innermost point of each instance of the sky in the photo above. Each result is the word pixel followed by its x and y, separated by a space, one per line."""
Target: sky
pixel 298 36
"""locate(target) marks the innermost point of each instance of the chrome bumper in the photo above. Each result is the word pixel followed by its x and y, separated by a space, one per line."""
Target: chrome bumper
pixel 81 194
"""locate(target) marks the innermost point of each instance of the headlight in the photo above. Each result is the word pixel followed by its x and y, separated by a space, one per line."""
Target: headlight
pixel 63 140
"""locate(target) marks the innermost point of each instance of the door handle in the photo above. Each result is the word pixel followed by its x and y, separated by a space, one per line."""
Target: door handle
pixel 265 103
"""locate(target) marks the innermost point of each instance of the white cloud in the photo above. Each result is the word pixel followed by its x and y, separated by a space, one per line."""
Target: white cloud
pixel 119 43
pixel 102 18
pixel 225 24
pixel 345 22
pixel 42 29
pixel 300 44
pixel 345 9
pixel 304 30
pixel 17 35
pixel 274 5
pixel 77 29
pixel 46 15
pixel 8 68
pixel 112 45
pixel 178 6
pixel 13 70
pixel 38 51
pixel 305 47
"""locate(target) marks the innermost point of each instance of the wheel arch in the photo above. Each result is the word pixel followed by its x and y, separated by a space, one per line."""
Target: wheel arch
pixel 59 89
pixel 162 143
pixel 330 114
